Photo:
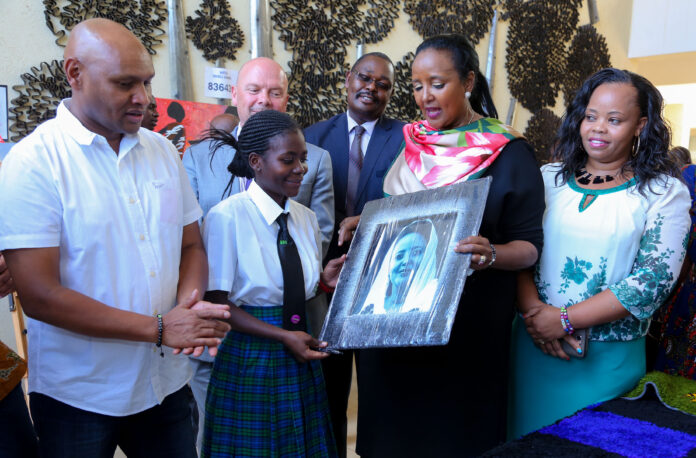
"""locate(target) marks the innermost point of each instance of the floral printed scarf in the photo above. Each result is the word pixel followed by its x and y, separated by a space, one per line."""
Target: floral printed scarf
pixel 430 159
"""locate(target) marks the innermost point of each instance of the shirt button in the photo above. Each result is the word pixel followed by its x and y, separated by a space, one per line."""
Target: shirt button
pixel 131 200
pixel 142 236
pixel 152 273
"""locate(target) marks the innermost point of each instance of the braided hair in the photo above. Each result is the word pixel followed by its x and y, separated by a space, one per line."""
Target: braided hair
pixel 255 137
pixel 465 60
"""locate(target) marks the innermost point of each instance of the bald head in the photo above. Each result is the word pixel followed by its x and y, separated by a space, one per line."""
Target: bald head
pixel 225 122
pixel 109 71
pixel 90 38
pixel 261 85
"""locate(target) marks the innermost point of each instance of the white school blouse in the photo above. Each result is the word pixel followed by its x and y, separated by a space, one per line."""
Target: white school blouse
pixel 240 235
pixel 118 222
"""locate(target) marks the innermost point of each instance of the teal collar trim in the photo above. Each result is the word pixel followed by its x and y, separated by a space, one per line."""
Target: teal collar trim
pixel 592 194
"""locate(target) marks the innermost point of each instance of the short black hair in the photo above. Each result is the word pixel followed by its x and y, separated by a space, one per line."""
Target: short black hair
pixel 381 55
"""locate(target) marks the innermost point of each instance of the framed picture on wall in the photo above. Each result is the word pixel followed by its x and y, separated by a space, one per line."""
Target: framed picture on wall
pixel 402 280
pixel 4 129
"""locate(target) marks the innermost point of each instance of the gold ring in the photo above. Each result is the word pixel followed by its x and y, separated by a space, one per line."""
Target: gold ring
pixel 482 259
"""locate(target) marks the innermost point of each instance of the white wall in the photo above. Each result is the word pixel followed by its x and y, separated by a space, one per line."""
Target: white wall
pixel 662 27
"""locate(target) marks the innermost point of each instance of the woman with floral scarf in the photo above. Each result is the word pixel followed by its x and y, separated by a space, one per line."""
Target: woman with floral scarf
pixel 451 400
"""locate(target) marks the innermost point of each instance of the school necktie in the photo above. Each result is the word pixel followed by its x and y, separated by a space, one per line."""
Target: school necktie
pixel 355 162
pixel 294 314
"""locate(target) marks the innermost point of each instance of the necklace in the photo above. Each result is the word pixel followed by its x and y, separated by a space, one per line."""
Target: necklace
pixel 585 177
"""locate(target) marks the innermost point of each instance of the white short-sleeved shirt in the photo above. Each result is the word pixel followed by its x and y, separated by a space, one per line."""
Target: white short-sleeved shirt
pixel 240 234
pixel 118 221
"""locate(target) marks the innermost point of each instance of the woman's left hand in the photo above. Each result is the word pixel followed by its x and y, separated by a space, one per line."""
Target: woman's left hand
pixel 329 276
pixel 544 323
pixel 480 249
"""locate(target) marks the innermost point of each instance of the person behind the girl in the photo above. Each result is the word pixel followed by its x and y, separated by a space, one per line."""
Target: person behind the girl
pixel 266 395
pixel 614 236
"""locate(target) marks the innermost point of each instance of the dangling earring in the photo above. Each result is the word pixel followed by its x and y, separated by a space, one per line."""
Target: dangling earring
pixel 467 94
pixel 636 147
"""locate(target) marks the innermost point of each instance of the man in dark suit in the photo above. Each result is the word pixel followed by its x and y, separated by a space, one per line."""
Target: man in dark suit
pixel 362 144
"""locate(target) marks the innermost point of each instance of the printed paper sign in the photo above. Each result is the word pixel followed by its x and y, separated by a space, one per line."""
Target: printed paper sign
pixel 219 82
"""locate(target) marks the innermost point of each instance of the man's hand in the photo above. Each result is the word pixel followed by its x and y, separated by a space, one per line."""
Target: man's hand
pixel 6 283
pixel 194 328
pixel 333 268
pixel 347 228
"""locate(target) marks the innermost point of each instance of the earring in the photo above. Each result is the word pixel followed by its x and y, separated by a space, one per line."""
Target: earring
pixel 467 94
pixel 636 147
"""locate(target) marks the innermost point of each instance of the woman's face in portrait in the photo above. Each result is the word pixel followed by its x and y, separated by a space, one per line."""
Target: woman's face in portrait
pixel 407 256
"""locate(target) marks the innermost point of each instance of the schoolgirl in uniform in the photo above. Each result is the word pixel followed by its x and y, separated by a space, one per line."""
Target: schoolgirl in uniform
pixel 266 395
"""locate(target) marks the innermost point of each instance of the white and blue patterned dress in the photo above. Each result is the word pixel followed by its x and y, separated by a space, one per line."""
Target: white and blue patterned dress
pixel 616 238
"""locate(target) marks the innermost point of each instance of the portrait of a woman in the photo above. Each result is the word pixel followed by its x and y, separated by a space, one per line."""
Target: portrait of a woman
pixel 407 279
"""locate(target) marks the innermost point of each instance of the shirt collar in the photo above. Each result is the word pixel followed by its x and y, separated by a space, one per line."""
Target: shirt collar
pixel 268 207
pixel 369 126
pixel 83 136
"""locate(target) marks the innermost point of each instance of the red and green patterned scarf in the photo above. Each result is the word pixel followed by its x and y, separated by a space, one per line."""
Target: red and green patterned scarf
pixel 440 158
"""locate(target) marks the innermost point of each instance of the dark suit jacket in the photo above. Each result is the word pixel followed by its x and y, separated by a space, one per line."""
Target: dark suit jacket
pixel 385 143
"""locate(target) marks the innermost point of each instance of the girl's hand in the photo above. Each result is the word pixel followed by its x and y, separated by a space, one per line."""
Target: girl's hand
pixel 544 323
pixel 329 276
pixel 480 249
pixel 346 229
pixel 300 345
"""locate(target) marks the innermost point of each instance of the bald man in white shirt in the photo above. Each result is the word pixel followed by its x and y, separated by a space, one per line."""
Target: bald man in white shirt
pixel 99 228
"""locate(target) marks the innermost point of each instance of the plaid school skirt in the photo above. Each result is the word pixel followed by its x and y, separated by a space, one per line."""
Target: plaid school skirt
pixel 262 403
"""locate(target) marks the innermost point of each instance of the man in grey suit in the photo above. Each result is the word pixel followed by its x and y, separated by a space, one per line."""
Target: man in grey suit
pixel 261 85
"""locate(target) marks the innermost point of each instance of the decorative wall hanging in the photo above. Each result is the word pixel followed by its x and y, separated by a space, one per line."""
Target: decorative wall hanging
pixel 588 53
pixel 214 31
pixel 432 17
pixel 39 96
pixel 318 33
pixel 536 48
pixel 401 105
pixel 379 19
pixel 142 17
pixel 541 133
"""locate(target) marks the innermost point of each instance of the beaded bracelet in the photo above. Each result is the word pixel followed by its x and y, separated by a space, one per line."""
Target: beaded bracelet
pixel 493 253
pixel 160 329
pixel 565 322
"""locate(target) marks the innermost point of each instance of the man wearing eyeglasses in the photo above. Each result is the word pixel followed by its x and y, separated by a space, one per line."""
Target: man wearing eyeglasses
pixel 362 143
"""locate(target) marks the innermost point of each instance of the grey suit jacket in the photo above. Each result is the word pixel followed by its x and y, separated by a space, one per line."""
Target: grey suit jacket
pixel 209 180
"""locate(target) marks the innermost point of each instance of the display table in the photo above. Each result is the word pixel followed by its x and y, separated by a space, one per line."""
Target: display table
pixel 641 426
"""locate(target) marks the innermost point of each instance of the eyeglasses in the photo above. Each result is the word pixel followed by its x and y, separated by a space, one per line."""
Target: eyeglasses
pixel 379 84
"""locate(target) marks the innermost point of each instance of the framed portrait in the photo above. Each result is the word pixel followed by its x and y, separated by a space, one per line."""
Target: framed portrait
pixel 402 280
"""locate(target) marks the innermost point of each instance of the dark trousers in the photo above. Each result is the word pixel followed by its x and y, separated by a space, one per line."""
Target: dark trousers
pixel 338 374
pixel 160 431
pixel 17 437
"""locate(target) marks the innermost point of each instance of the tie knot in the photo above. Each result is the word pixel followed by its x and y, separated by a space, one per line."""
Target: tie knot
pixel 283 221
pixel 359 130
